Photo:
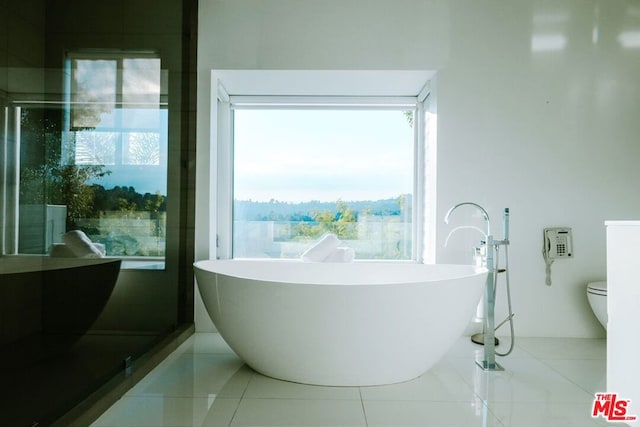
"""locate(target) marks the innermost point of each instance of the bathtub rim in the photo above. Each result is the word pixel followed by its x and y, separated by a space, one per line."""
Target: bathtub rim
pixel 34 263
pixel 461 271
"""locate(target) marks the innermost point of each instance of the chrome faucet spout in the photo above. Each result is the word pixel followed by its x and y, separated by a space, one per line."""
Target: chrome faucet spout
pixel 480 208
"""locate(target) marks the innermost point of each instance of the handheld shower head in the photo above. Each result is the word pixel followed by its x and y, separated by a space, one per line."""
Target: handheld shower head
pixel 505 223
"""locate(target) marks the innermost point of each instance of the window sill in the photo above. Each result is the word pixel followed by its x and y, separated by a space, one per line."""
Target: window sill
pixel 152 264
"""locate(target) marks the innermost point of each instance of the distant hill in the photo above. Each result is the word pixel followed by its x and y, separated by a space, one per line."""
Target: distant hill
pixel 248 210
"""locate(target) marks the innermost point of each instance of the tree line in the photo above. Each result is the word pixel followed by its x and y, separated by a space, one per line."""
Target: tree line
pixel 274 210
pixel 55 184
pixel 126 199
pixel 315 218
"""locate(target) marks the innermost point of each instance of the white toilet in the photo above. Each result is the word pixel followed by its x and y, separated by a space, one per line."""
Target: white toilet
pixel 597 295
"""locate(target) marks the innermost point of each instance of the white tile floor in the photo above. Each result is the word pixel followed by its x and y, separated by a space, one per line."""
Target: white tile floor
pixel 547 382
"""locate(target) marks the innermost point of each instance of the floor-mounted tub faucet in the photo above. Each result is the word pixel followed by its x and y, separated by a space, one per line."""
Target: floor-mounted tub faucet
pixel 489 363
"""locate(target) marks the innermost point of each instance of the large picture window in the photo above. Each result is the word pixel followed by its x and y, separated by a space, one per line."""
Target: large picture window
pixel 300 171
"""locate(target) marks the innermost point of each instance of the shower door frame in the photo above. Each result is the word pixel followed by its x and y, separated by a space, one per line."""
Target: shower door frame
pixel 9 174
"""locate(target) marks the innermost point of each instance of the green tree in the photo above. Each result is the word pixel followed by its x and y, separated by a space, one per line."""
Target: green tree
pixel 69 187
pixel 342 223
pixel 59 184
pixel 409 116
pixel 126 206
pixel 49 178
pixel 154 203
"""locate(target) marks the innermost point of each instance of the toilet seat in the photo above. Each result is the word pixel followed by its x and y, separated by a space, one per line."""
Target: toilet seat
pixel 597 288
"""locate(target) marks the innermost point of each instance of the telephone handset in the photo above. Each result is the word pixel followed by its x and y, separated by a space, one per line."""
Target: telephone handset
pixel 558 243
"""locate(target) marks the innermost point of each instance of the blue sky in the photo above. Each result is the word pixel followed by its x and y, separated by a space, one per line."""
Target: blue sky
pixel 145 179
pixel 302 155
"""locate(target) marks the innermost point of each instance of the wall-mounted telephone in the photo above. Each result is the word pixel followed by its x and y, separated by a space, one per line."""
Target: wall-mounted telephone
pixel 558 242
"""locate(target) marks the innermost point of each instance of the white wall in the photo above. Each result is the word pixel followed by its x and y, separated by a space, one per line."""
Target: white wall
pixel 537 111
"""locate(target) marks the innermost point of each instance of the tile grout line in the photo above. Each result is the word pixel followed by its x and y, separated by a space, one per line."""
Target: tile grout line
pixel 364 412
pixel 244 391
pixel 543 361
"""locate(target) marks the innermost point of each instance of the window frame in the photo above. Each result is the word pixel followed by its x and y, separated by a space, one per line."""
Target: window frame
pixel 223 106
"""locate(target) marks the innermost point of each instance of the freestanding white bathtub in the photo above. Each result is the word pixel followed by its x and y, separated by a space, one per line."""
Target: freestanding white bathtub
pixel 339 324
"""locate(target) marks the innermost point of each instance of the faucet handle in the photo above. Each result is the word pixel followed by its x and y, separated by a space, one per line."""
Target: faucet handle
pixel 479 256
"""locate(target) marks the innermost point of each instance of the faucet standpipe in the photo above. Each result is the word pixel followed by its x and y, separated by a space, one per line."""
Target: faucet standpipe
pixel 489 363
